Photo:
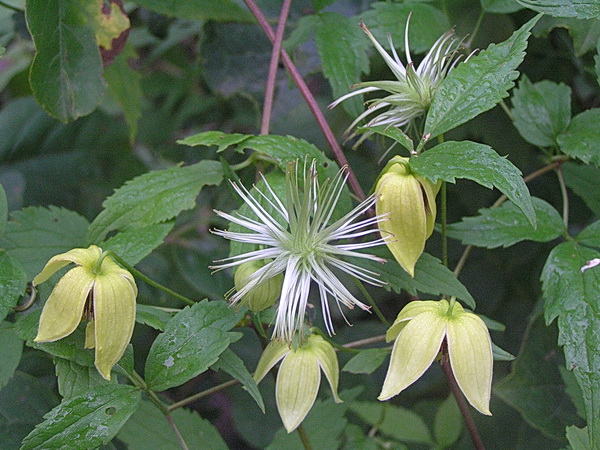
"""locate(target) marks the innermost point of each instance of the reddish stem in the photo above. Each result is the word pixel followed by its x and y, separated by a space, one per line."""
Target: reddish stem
pixel 270 89
pixel 310 100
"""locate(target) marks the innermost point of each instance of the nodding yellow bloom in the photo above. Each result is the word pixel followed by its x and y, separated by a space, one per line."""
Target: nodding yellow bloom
pixel 419 331
pixel 409 203
pixel 98 290
pixel 299 376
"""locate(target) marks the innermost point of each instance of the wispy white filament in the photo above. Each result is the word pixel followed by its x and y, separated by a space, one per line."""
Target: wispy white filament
pixel 301 242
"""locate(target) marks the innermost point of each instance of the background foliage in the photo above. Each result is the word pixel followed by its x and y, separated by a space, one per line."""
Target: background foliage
pixel 102 107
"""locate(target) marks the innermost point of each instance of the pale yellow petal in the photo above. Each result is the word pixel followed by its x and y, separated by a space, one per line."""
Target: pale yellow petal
pixel 470 349
pixel 64 308
pixel 329 363
pixel 86 257
pixel 414 350
pixel 297 386
pixel 90 335
pixel 114 318
pixel 410 311
pixel 270 356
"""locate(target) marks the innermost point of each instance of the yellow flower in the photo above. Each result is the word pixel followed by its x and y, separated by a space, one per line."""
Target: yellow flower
pixel 419 331
pixel 299 376
pixel 98 290
pixel 409 202
pixel 263 294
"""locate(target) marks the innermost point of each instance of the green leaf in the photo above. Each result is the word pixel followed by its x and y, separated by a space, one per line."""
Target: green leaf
pixel 427 24
pixel 500 6
pixel 342 46
pixel 19 413
pixel 209 138
pixel 153 198
pixel 582 9
pixel 479 163
pixel 124 86
pixel 191 343
pixel 70 347
pixel 147 428
pixel 218 10
pixel 584 32
pixel 572 296
pixel 66 73
pixel 535 387
pixel 590 235
pixel 431 276
pixel 500 354
pixel 11 348
pixel 152 316
pixel 135 245
pixel 35 234
pixel 3 211
pixel 541 111
pixel 392 132
pixel 578 438
pixel 582 137
pixel 597 61
pixel 74 379
pixel 448 423
pixel 90 420
pixel 367 361
pixel 234 366
pixel 506 225
pixel 478 84
pixel 12 283
pixel 394 421
pixel 584 180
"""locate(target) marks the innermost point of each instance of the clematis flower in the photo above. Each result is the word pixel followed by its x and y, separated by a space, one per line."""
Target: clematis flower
pixel 419 331
pixel 411 94
pixel 98 290
pixel 299 376
pixel 297 239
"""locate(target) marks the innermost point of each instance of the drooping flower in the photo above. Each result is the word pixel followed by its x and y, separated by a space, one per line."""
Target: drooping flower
pixel 410 202
pixel 299 376
pixel 419 331
pixel 98 290
pixel 297 239
pixel 262 295
pixel 411 94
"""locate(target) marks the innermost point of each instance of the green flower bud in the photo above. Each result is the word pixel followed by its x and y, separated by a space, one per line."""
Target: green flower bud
pixel 262 295
pixel 409 201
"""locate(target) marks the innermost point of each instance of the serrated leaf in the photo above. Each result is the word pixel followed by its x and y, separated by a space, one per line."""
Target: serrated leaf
pixel 427 24
pixel 582 137
pixel 66 73
pixel 20 413
pixel 36 234
pixel 590 235
pixel 124 86
pixel 74 379
pixel 534 386
pixel 584 180
pixel 582 9
pixel 448 423
pixel 135 245
pixel 218 10
pixel 541 111
pixel 153 198
pixel 11 348
pixel 218 138
pixel 191 343
pixel 234 366
pixel 477 162
pixel 367 361
pixel 147 428
pixel 431 277
pixel 394 421
pixel 13 281
pixel 392 132
pixel 90 420
pixel 506 225
pixel 572 296
pixel 152 316
pixel 478 84
pixel 342 47
pixel 3 210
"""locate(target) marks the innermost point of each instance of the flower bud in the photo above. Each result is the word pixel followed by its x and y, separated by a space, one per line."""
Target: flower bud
pixel 409 202
pixel 262 295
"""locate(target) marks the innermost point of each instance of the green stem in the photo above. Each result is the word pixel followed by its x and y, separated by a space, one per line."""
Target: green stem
pixel 469 43
pixel 151 282
pixel 341 348
pixel 199 395
pixel 304 437
pixel 506 110
pixel 443 200
pixel 565 197
pixel 371 302
pixel 8 6
pixel 180 439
